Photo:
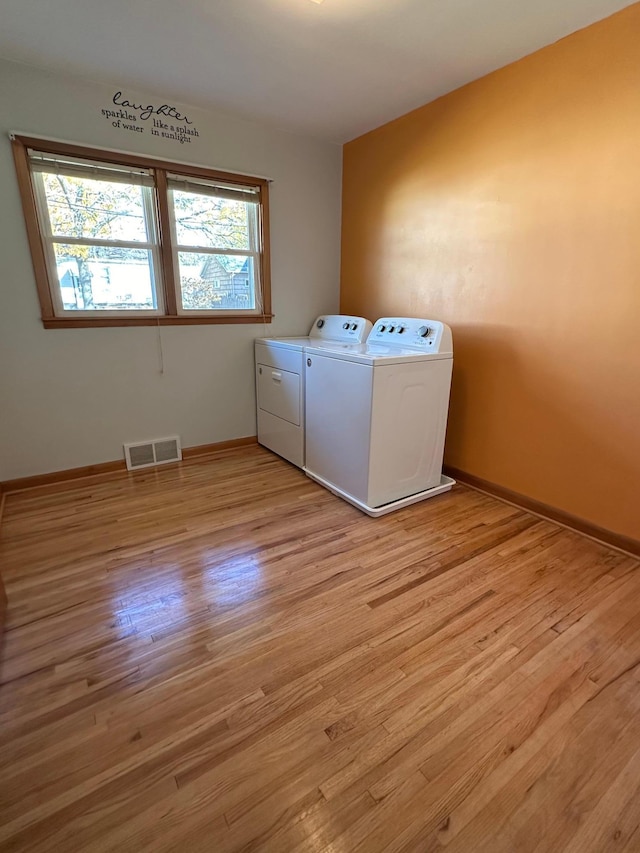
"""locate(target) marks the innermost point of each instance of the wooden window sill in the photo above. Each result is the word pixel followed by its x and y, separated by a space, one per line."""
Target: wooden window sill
pixel 105 322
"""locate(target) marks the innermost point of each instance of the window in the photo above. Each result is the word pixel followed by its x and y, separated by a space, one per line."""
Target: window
pixel 122 240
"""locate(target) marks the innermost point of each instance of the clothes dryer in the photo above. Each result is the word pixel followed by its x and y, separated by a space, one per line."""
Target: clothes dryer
pixel 280 381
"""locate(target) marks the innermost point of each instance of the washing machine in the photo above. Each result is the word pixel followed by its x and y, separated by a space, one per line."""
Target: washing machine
pixel 280 380
pixel 376 415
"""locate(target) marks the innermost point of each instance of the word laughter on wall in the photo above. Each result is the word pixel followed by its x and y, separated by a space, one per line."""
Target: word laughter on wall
pixel 165 120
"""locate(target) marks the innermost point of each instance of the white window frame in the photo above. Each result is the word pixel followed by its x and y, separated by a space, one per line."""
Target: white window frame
pixel 50 239
pixel 254 252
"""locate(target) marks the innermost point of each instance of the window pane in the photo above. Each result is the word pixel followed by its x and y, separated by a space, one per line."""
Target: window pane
pixel 216 223
pixel 216 282
pixel 94 209
pixel 104 278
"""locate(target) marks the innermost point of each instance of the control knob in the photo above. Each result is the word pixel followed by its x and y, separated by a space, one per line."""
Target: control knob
pixel 424 331
pixel 345 325
pixel 354 326
pixel 400 329
pixel 320 323
pixel 392 328
pixel 381 328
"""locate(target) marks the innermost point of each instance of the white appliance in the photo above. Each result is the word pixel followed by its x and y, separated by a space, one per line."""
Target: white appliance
pixel 376 415
pixel 280 381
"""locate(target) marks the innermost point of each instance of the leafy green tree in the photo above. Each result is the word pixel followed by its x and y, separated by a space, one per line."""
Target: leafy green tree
pixel 210 222
pixel 90 209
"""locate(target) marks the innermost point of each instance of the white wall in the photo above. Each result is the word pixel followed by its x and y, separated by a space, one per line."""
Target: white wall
pixel 71 397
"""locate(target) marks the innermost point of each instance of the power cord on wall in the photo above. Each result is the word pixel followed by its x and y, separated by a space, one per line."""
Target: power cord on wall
pixel 160 350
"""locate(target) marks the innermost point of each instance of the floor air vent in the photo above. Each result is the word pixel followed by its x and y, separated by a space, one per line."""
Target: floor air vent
pixel 144 454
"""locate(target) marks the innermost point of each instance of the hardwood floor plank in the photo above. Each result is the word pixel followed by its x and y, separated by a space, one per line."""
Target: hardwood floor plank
pixel 513 767
pixel 577 747
pixel 601 826
pixel 225 656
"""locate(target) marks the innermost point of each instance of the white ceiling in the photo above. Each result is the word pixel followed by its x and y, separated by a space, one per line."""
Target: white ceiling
pixel 333 70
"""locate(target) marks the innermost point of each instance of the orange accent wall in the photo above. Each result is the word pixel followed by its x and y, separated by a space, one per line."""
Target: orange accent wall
pixel 510 209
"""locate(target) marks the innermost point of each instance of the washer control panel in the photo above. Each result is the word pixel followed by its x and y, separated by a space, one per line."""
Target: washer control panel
pixel 341 327
pixel 411 333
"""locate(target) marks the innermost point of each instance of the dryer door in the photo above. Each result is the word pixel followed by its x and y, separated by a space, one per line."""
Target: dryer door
pixel 279 393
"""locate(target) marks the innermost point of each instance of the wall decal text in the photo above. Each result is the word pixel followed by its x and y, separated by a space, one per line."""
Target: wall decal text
pixel 167 121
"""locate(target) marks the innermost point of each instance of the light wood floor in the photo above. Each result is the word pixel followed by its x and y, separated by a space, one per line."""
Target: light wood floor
pixel 226 657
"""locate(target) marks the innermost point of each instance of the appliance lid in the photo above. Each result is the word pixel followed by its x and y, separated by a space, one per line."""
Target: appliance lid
pixel 285 343
pixel 374 355
pixel 336 347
